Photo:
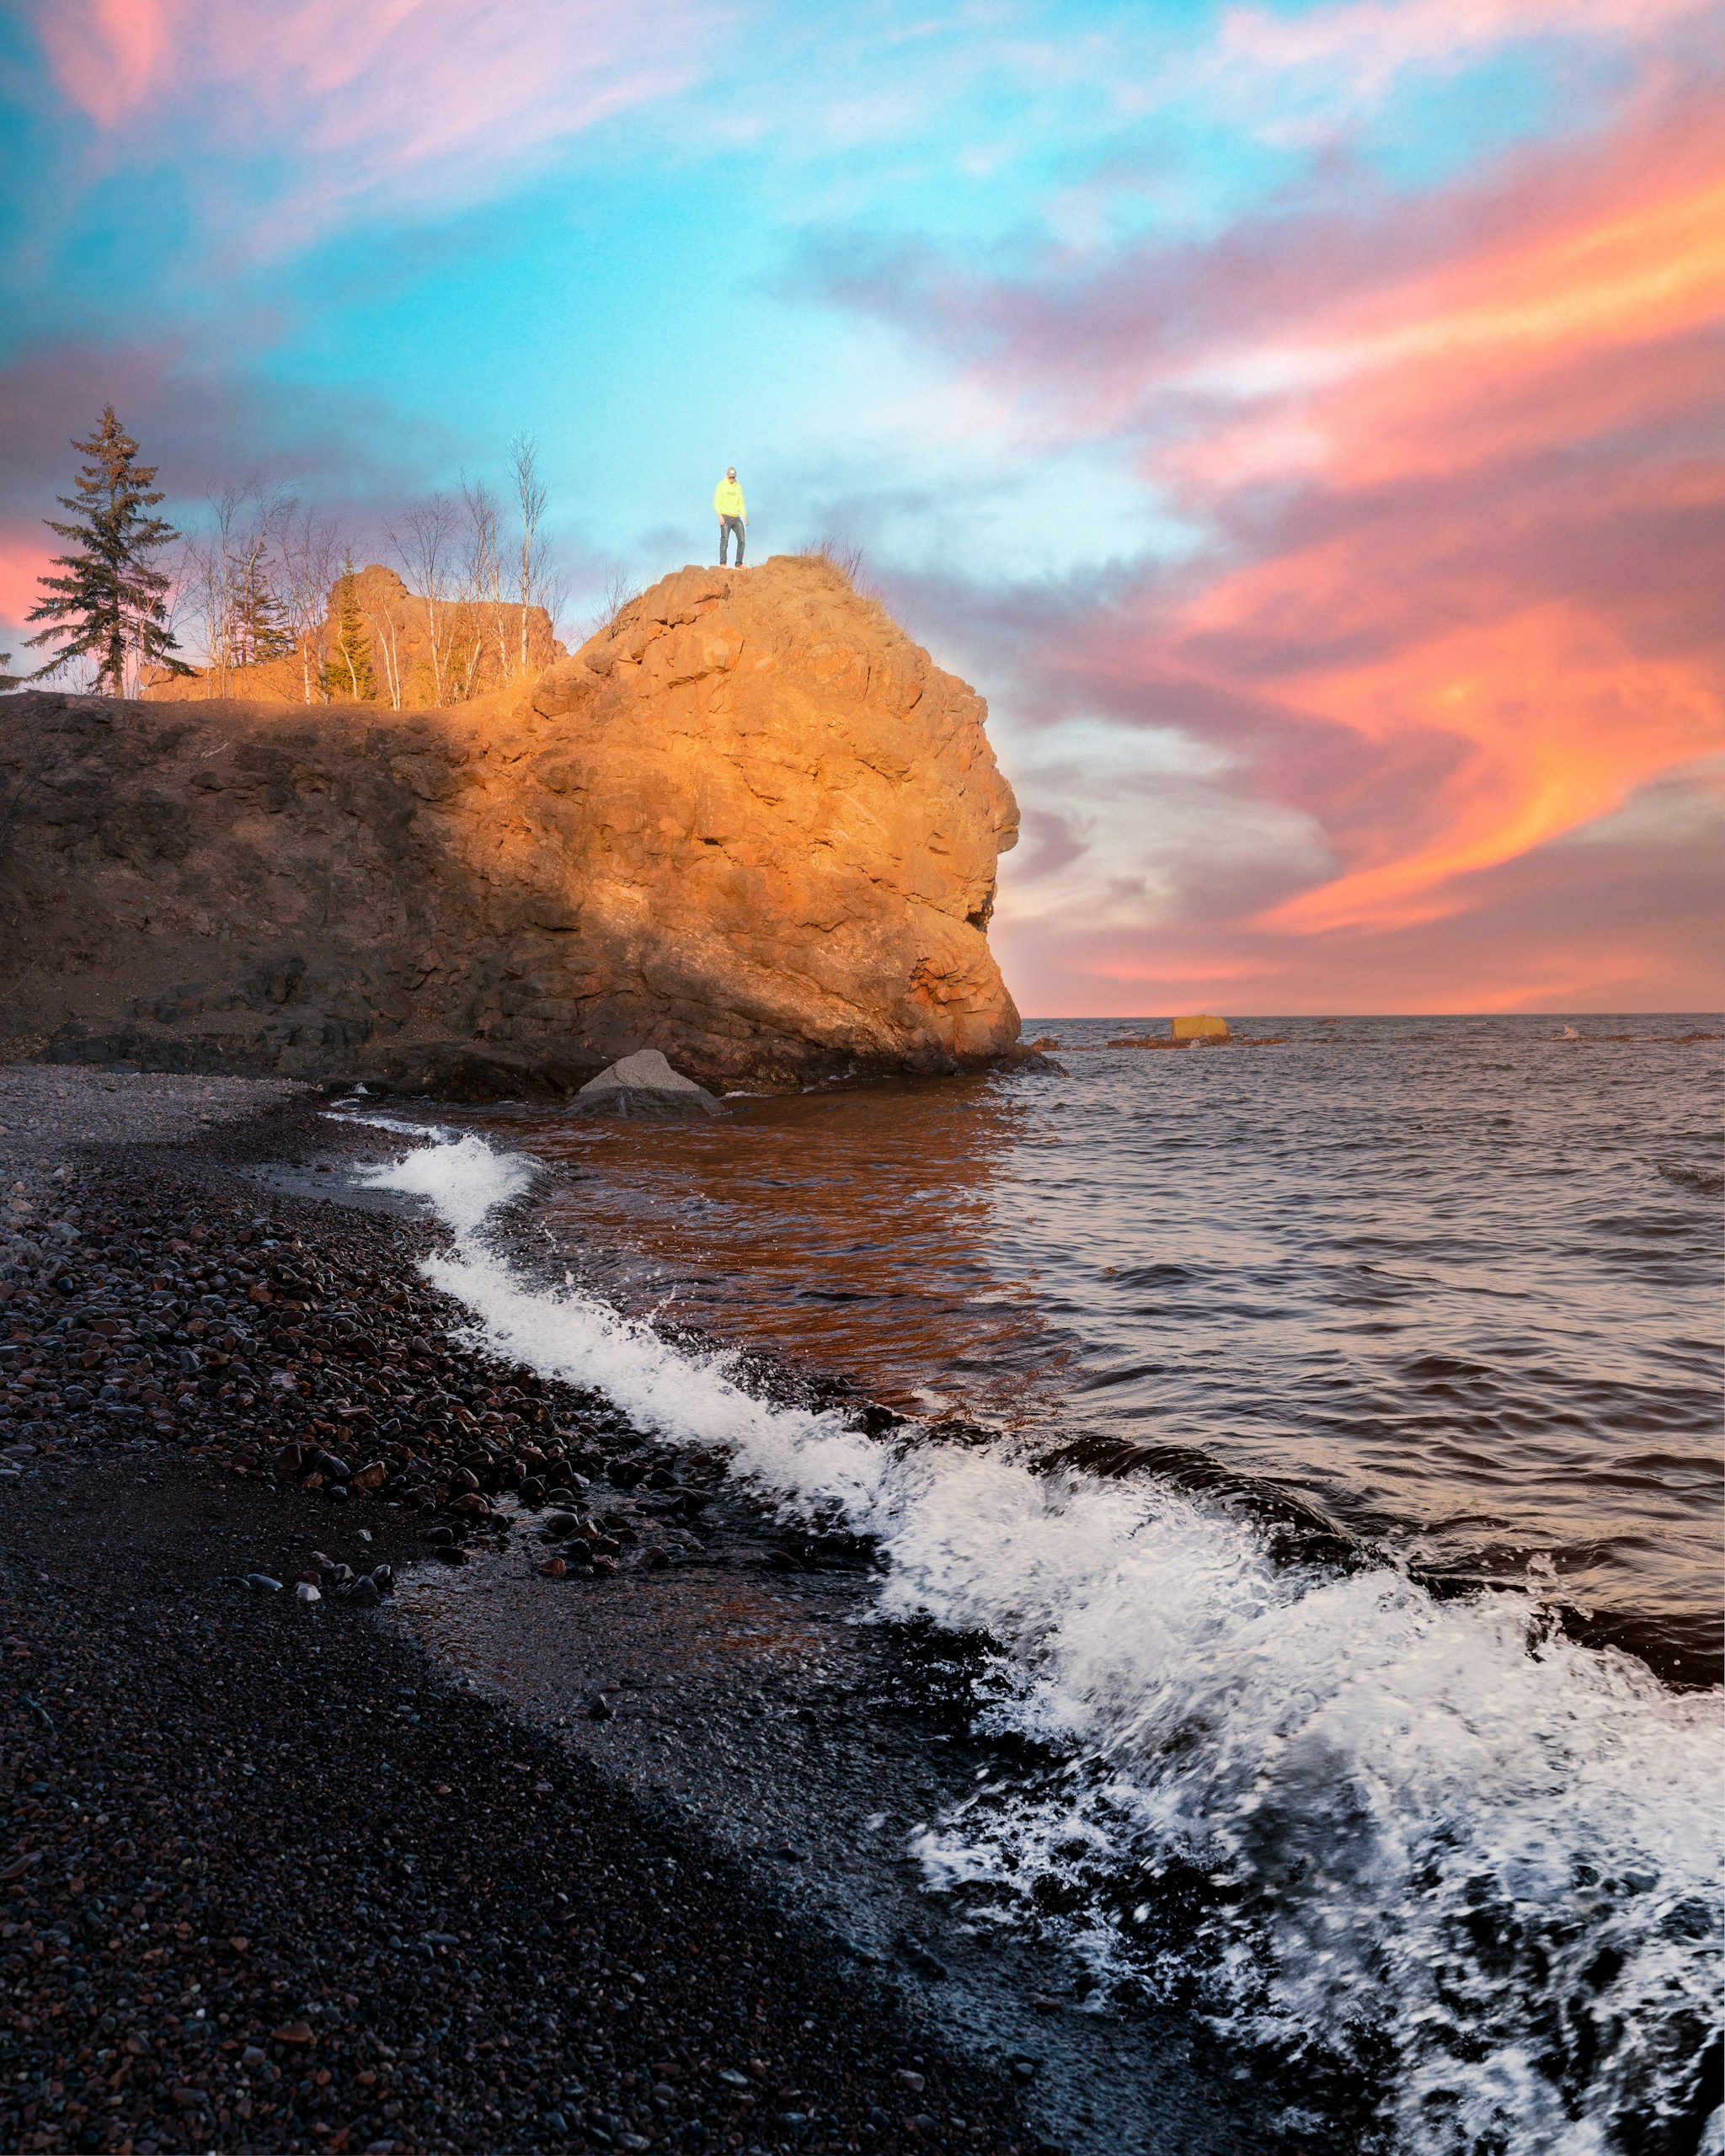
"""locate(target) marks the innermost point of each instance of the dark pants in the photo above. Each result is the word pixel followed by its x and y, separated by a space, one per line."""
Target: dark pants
pixel 727 525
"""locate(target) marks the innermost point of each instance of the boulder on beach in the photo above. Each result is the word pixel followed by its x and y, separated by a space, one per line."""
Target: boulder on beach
pixel 749 820
pixel 643 1085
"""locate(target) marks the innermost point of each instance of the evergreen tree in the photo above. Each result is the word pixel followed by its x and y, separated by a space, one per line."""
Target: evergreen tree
pixel 347 675
pixel 111 603
pixel 260 630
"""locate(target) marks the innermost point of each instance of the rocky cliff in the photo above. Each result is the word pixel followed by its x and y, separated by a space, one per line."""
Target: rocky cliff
pixel 750 824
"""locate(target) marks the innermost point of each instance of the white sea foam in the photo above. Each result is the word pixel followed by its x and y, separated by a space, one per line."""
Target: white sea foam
pixel 1487 1854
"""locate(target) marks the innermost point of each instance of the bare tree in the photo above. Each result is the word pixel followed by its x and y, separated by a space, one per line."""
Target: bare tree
pixel 554 598
pixel 383 617
pixel 424 541
pixel 226 575
pixel 482 581
pixel 311 547
pixel 617 594
pixel 212 560
pixel 531 496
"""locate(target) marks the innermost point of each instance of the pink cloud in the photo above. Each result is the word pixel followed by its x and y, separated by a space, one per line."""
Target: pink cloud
pixel 198 415
pixel 1460 460
pixel 205 422
pixel 1609 923
pixel 23 557
pixel 1368 41
pixel 364 99
pixel 104 53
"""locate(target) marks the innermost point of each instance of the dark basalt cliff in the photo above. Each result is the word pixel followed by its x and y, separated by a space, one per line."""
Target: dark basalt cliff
pixel 750 824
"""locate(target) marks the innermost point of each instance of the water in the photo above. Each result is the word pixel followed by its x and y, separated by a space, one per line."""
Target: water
pixel 1299 1424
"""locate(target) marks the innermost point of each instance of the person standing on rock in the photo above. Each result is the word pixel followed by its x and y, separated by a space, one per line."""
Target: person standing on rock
pixel 733 516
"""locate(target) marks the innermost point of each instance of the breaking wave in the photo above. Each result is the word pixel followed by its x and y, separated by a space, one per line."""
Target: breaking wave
pixel 1431 1845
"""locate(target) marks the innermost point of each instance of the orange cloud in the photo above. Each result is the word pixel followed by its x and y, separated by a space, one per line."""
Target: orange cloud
pixel 1477 433
pixel 1561 722
pixel 1457 457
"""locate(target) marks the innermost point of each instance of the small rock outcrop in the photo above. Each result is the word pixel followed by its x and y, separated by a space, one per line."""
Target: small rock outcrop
pixel 643 1085
pixel 750 824
pixel 386 638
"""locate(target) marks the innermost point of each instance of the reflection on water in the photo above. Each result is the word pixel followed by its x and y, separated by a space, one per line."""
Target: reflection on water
pixel 851 1231
pixel 1451 1282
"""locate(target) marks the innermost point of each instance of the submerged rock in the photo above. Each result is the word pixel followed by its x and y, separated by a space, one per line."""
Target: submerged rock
pixel 643 1085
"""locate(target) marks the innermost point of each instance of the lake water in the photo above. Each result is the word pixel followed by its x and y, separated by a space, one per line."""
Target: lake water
pixel 1322 1433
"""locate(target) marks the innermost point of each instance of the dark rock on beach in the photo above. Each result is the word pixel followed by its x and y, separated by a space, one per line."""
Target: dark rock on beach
pixel 643 1085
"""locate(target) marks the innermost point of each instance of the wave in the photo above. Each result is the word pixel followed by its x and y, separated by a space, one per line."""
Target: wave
pixel 1431 1846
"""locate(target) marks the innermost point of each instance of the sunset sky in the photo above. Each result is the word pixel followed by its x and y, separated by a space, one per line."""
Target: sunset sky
pixel 1305 424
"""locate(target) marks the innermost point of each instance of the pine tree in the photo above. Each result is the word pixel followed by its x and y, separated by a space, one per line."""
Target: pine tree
pixel 260 630
pixel 110 604
pixel 348 675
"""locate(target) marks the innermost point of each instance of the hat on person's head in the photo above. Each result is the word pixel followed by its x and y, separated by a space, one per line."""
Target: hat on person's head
pixel 730 472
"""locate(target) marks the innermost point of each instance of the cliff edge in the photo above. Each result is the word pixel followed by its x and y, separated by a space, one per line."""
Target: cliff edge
pixel 750 824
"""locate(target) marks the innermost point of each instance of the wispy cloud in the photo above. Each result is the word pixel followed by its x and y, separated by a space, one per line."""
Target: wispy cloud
pixel 1458 463
pixel 1354 368
pixel 333 104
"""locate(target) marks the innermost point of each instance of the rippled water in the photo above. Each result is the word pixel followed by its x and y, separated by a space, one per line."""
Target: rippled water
pixel 1238 1374
pixel 1453 1283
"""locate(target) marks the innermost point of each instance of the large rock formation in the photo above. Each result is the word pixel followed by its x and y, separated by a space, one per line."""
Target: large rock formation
pixel 750 824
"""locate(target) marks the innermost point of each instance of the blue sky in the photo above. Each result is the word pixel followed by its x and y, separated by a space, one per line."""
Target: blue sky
pixel 1101 329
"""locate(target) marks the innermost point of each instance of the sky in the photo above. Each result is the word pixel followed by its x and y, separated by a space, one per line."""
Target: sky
pixel 1304 423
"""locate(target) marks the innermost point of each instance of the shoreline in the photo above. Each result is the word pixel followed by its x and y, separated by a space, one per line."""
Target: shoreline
pixel 758 1865
pixel 251 1761
pixel 726 1750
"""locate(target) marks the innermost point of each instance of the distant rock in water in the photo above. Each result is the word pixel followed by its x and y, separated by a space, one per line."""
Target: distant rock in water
pixel 750 824
pixel 643 1085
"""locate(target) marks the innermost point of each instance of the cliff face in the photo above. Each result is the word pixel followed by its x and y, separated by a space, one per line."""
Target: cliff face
pixel 751 825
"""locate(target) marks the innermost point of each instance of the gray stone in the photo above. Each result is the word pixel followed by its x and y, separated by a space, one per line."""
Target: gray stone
pixel 644 1084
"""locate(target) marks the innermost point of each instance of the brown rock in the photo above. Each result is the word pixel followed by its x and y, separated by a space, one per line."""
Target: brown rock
pixel 751 825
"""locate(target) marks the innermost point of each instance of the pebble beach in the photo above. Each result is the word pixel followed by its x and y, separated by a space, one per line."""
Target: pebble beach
pixel 276 1877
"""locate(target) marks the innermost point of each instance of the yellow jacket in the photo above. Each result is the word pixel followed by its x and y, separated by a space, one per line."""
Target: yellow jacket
pixel 728 498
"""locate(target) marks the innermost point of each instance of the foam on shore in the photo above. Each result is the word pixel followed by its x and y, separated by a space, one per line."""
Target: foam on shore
pixel 1437 1831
